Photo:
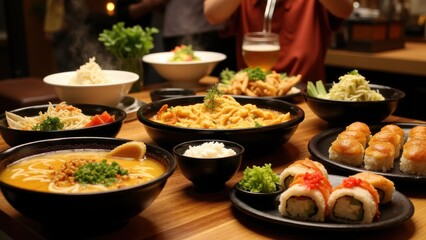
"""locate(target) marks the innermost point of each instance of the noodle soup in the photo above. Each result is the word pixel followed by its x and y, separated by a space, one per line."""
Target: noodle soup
pixel 56 171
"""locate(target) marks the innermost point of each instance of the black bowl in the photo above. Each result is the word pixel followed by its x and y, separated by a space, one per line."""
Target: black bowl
pixel 259 200
pixel 344 112
pixel 164 93
pixel 208 174
pixel 103 208
pixel 259 139
pixel 15 137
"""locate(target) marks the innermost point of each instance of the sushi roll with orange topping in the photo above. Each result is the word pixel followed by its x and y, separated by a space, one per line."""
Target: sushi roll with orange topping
pixel 360 126
pixel 299 167
pixel 413 159
pixel 379 156
pixel 385 187
pixel 418 132
pixel 306 198
pixel 391 137
pixel 354 201
pixel 357 135
pixel 348 151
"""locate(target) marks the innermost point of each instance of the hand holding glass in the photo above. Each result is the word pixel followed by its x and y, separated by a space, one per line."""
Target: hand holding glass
pixel 261 49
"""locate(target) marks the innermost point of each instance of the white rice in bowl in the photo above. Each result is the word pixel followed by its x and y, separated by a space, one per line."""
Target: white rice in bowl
pixel 209 150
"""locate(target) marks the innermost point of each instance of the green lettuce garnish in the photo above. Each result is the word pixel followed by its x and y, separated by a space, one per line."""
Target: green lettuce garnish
pixel 259 179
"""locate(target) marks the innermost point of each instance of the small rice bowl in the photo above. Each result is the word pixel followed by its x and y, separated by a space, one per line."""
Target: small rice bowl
pixel 209 150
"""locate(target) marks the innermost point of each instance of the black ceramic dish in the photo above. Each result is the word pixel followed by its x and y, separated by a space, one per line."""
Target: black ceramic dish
pixel 318 146
pixel 164 93
pixel 259 199
pixel 15 137
pixel 258 139
pixel 208 174
pixel 399 210
pixel 77 210
pixel 344 112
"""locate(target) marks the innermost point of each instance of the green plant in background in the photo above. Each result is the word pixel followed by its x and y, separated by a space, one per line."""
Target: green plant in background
pixel 129 45
pixel 128 42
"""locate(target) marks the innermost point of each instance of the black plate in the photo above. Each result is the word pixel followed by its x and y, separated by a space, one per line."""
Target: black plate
pixel 130 105
pixel 395 212
pixel 287 97
pixel 318 146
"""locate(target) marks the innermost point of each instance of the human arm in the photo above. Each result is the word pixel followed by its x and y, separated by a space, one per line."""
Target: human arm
pixel 339 8
pixel 218 11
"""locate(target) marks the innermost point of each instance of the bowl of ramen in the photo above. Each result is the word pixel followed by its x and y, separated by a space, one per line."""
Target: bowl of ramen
pixel 259 124
pixel 92 85
pixel 352 99
pixel 180 69
pixel 84 181
pixel 59 120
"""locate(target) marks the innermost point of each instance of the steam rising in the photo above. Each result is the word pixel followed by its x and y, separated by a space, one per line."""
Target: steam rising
pixel 83 40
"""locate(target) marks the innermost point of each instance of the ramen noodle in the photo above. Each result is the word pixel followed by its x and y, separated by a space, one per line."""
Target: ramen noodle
pixel 227 114
pixel 50 172
pixel 89 73
pixel 70 116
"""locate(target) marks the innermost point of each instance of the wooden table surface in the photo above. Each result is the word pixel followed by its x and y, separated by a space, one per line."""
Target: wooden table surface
pixel 179 212
pixel 409 60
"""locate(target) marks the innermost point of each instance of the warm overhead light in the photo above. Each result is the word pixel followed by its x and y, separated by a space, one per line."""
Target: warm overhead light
pixel 110 7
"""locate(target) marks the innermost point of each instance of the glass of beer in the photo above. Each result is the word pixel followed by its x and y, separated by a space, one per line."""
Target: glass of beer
pixel 261 49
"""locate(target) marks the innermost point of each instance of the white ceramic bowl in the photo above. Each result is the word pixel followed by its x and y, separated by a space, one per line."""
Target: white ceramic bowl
pixel 109 94
pixel 190 71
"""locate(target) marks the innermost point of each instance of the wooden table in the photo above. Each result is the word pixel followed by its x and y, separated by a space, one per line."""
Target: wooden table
pixel 409 60
pixel 181 213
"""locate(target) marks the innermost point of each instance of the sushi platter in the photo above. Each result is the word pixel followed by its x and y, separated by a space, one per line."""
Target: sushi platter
pixel 395 212
pixel 319 146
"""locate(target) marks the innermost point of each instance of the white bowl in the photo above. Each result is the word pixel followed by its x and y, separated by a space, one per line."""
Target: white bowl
pixel 109 94
pixel 189 71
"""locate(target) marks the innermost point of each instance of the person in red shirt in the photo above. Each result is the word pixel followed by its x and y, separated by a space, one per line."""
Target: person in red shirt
pixel 305 28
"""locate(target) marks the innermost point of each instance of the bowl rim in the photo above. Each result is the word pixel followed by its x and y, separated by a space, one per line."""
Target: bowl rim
pixel 238 188
pixel 161 178
pixel 172 92
pixel 399 95
pixel 217 58
pixel 50 79
pixel 120 118
pixel 299 117
pixel 230 143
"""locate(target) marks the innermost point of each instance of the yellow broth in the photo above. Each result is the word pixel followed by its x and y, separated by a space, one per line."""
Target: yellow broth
pixel 36 173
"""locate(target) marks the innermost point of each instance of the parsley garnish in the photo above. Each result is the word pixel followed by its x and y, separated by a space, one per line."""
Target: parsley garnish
pixel 49 124
pixel 99 173
pixel 209 99
pixel 255 73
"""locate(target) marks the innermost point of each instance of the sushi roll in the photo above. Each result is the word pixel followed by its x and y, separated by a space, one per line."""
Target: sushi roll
pixel 413 159
pixel 358 135
pixel 354 201
pixel 299 167
pixel 395 129
pixel 391 137
pixel 379 156
pixel 306 198
pixel 348 151
pixel 360 126
pixel 385 187
pixel 418 132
